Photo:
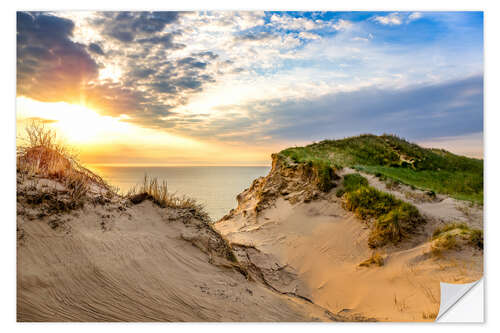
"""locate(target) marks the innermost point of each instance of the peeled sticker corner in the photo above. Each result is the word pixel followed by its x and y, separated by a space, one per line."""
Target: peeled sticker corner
pixel 451 294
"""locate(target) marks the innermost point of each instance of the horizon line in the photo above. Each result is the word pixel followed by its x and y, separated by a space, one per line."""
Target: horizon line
pixel 176 165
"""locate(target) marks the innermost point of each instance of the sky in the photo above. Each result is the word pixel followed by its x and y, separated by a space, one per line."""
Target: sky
pixel 230 88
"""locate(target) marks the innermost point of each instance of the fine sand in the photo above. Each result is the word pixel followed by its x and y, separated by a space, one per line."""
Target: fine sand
pixel 114 261
pixel 294 255
pixel 321 245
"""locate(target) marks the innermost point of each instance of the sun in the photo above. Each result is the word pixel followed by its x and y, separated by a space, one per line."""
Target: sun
pixel 83 127
pixel 74 123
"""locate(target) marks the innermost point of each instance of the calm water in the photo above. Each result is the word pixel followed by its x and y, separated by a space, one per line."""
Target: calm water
pixel 214 186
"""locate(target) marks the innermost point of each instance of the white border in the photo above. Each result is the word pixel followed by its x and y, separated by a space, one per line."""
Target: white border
pixel 491 130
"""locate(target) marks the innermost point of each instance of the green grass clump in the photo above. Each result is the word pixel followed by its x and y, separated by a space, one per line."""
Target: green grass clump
pixel 388 156
pixel 394 218
pixel 445 237
pixel 367 202
pixel 395 225
pixel 354 181
pixel 324 175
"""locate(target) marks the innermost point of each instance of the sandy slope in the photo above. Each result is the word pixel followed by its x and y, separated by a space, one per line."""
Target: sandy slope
pixel 309 235
pixel 114 261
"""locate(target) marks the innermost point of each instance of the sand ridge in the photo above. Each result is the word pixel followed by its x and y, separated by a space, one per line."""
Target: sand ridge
pixel 114 261
pixel 314 237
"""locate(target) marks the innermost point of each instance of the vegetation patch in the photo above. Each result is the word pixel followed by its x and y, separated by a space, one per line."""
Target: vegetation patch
pixel 41 155
pixel 388 156
pixel 157 192
pixel 394 219
pixel 454 236
pixel 375 259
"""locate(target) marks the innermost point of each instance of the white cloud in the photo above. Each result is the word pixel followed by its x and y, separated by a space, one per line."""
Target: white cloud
pixel 397 18
pixel 414 16
pixel 308 35
pixel 287 22
pixel 391 19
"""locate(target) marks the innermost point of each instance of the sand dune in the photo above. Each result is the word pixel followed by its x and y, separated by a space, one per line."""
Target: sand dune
pixel 114 261
pixel 309 234
pixel 288 252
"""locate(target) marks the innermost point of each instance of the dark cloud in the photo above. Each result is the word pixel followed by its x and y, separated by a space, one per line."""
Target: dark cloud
pixel 419 112
pixel 125 26
pixel 192 62
pixel 166 41
pixel 255 36
pixel 209 55
pixel 49 63
pixel 96 48
pixel 53 68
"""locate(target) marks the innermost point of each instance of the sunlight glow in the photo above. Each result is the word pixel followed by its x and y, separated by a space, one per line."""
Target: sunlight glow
pixel 82 126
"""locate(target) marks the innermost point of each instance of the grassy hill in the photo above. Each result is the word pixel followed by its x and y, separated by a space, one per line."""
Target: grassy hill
pixel 397 159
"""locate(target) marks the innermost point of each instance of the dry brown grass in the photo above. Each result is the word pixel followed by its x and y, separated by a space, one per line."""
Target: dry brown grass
pixel 156 191
pixel 431 315
pixel 375 259
pixel 41 155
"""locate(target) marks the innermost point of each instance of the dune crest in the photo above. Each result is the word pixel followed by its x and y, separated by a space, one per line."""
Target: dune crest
pixel 104 257
pixel 308 232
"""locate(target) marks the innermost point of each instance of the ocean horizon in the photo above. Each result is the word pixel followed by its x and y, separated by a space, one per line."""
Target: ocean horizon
pixel 215 187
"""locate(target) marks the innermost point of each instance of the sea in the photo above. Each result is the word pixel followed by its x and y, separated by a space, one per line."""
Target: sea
pixel 216 187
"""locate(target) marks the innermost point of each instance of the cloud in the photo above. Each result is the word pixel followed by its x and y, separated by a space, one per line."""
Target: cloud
pixel 416 112
pixel 49 63
pixel 240 76
pixel 414 16
pixel 397 18
pixel 257 36
pixel 287 22
pixel 125 26
pixel 308 35
pixel 96 48
pixel 391 19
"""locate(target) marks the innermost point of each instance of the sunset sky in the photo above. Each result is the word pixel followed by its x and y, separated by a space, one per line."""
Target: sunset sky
pixel 214 87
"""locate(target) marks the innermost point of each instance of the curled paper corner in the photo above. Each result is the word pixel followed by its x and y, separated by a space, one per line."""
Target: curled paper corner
pixel 451 295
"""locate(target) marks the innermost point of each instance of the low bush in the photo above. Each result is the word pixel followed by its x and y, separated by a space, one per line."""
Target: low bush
pixel 394 218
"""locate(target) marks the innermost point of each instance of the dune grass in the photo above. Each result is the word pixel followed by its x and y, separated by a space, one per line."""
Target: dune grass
pixel 41 155
pixel 428 169
pixel 156 191
pixel 352 182
pixel 394 219
pixel 448 237
pixel 375 259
